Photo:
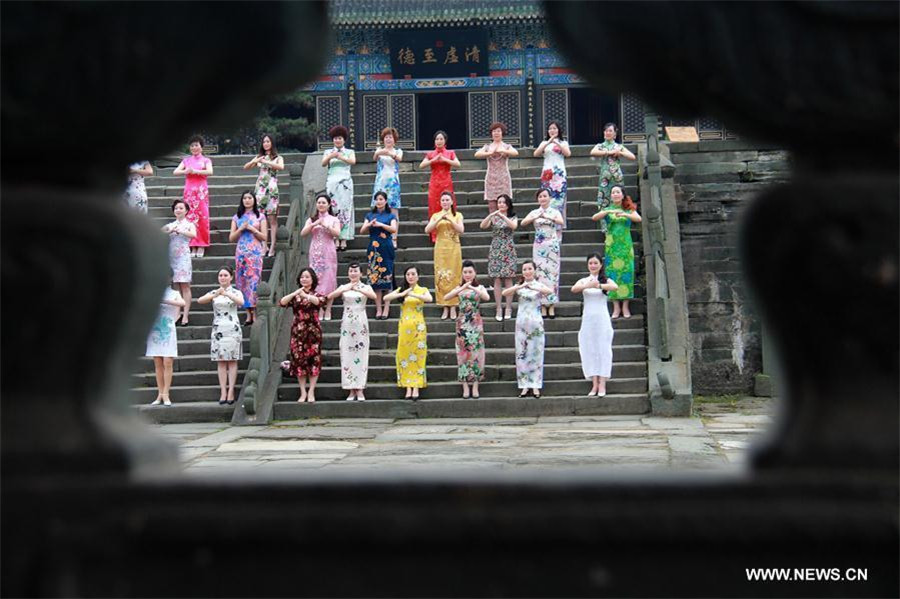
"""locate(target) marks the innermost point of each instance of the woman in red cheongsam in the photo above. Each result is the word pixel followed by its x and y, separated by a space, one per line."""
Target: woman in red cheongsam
pixel 440 160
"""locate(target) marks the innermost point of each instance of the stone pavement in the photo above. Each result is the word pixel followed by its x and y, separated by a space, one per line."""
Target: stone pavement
pixel 715 438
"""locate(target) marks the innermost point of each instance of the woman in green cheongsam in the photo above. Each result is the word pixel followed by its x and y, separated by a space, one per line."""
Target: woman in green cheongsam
pixel 618 259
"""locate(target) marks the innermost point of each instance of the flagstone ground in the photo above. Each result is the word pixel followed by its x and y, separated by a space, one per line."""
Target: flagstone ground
pixel 716 437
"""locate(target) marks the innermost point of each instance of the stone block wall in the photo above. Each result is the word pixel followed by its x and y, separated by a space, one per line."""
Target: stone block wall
pixel 714 183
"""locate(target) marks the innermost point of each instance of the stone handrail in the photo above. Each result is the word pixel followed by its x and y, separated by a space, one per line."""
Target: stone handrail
pixel 260 386
pixel 668 353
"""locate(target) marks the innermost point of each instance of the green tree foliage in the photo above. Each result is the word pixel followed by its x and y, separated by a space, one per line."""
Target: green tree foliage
pixel 284 117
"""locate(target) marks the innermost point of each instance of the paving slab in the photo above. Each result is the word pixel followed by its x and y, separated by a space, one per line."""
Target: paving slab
pixel 675 425
pixel 278 445
pixel 282 465
pixel 522 421
pixel 224 436
pixel 693 445
pixel 451 433
pixel 583 419
pixel 635 425
pixel 317 432
pixel 203 428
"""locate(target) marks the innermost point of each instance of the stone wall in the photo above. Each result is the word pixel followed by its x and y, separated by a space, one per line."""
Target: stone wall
pixel 714 183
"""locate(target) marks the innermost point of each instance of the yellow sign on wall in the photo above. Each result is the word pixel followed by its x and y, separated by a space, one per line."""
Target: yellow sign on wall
pixel 682 134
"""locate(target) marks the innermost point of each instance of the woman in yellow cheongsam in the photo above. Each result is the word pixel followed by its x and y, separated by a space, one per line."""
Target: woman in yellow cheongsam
pixel 447 252
pixel 412 343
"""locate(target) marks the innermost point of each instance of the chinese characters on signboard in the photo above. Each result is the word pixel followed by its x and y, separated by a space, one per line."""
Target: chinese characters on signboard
pixel 424 54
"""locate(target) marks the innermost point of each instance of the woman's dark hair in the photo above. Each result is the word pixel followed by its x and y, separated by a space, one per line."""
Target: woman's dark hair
pixel 241 209
pixel 447 192
pixel 374 197
pixel 315 214
pixel 441 132
pixel 470 264
pixel 353 265
pixel 627 202
pixel 196 139
pixel 613 125
pixel 601 276
pixel 227 267
pixel 510 209
pixel 522 267
pixel 538 193
pixel 405 285
pixel 180 201
pixel 562 134
pixel 338 131
pixel 312 273
pixel 497 125
pixel 273 153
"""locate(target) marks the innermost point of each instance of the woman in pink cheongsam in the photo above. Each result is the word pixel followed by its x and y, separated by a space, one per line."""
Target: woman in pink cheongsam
pixel 196 168
pixel 324 227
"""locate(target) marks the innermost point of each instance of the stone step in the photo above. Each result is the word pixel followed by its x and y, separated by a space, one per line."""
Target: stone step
pixel 445 356
pixel 501 355
pixel 289 392
pixel 413 210
pixel 524 246
pixel 476 236
pixel 230 188
pixel 728 156
pixel 201 320
pixel 233 165
pixel 442 366
pixel 494 407
pixel 475 243
pixel 227 198
pixel 236 160
pixel 163 210
pixel 471 219
pixel 446 372
pixel 195 343
pixel 443 336
pixel 363 156
pixel 479 210
pixel 415 198
pixel 225 249
pixel 193 363
pixel 180 413
pixel 572 262
pixel 218 231
pixel 432 310
pixel 473 175
pixel 200 347
pixel 492 339
pixel 473 180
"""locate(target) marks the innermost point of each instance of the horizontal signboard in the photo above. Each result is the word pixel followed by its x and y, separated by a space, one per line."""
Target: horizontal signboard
pixel 436 53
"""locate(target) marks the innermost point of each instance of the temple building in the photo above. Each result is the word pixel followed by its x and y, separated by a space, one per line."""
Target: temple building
pixel 459 65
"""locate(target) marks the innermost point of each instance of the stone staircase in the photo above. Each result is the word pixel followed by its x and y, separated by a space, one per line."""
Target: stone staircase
pixel 195 389
pixel 564 386
pixel 195 384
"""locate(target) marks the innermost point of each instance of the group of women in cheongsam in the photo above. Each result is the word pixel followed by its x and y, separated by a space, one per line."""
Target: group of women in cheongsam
pixel 253 229
pixel 457 289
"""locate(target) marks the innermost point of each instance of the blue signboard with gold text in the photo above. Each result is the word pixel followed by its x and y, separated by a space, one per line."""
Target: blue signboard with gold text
pixel 436 53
